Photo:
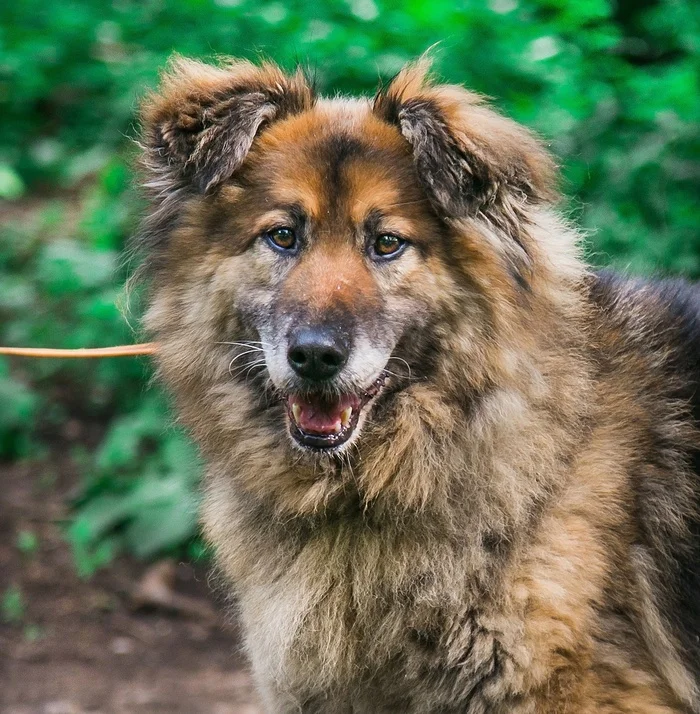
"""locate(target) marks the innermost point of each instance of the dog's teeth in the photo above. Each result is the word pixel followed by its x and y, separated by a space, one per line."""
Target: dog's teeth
pixel 346 416
pixel 296 412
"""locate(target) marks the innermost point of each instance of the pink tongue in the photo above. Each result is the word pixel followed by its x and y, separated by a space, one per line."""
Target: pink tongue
pixel 322 417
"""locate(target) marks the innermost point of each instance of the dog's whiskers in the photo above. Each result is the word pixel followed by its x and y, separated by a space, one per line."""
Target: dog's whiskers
pixel 249 371
pixel 400 359
pixel 246 343
pixel 238 356
pixel 394 374
pixel 398 375
pixel 246 368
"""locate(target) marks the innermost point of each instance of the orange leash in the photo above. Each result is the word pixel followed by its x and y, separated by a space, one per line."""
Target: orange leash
pixel 145 348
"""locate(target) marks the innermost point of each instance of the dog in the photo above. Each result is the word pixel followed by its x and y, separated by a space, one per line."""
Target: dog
pixel 450 468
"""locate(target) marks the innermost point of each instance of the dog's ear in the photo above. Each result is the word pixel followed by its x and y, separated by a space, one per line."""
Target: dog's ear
pixel 469 158
pixel 199 126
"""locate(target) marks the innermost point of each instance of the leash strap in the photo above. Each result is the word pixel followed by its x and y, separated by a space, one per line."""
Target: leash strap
pixel 145 348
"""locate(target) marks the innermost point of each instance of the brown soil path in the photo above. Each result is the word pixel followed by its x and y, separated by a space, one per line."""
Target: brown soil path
pixel 81 646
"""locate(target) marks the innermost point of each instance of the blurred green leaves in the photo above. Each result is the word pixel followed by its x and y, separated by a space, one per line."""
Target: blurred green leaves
pixel 155 511
pixel 12 605
pixel 612 87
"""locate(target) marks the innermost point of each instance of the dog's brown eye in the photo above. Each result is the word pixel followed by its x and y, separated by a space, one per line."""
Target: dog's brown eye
pixel 281 239
pixel 388 245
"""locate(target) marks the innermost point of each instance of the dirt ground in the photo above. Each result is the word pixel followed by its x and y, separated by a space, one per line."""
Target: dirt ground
pixel 134 639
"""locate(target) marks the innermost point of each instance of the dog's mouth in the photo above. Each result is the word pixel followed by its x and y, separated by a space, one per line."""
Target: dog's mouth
pixel 324 423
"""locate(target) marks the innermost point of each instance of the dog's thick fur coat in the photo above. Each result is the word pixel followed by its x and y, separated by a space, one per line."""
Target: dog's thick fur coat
pixel 516 527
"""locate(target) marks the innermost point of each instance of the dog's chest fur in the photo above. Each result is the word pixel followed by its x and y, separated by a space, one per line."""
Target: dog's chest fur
pixel 353 617
pixel 349 618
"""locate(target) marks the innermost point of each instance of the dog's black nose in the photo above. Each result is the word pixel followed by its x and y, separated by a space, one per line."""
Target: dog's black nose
pixel 317 353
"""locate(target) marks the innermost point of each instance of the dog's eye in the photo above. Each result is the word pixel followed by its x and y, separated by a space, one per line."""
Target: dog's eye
pixel 281 239
pixel 388 246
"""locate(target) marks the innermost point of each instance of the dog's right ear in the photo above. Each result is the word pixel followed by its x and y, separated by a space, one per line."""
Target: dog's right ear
pixel 199 126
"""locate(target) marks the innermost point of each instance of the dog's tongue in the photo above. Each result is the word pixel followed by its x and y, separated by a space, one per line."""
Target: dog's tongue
pixel 316 416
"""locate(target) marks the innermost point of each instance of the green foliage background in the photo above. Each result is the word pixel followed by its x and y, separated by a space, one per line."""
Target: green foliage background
pixel 613 86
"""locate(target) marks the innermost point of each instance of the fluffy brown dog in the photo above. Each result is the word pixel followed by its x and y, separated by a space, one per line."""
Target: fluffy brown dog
pixel 449 469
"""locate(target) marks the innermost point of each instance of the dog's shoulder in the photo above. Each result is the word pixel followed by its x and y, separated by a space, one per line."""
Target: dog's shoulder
pixel 659 321
pixel 671 303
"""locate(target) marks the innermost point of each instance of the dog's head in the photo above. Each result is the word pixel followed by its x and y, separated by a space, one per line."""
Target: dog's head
pixel 328 254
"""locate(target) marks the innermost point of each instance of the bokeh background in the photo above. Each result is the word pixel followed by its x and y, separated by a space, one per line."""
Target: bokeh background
pixel 90 464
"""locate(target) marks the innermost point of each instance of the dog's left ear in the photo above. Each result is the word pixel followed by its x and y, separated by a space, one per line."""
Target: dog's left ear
pixel 469 158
